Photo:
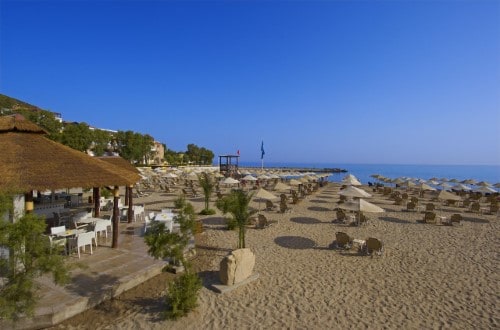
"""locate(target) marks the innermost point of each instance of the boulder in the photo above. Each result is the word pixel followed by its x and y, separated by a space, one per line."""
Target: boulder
pixel 237 266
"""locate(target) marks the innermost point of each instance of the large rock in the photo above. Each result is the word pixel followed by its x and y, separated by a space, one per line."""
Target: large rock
pixel 237 266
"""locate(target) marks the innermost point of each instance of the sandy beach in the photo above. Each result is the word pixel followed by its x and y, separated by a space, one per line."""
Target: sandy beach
pixel 429 276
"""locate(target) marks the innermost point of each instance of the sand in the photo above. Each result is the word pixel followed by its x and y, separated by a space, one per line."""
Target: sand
pixel 429 276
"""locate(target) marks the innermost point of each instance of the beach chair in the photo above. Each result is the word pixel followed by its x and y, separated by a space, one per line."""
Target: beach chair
pixel 494 208
pixel 455 218
pixel 411 206
pixel 342 240
pixel 270 205
pixel 261 222
pixel 373 245
pixel 430 217
pixel 284 207
pixel 475 207
pixel 341 217
pixel 429 207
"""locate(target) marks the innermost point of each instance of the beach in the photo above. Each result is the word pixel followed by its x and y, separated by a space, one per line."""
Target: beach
pixel 428 276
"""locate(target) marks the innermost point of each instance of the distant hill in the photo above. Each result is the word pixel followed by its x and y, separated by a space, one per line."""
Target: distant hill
pixel 7 102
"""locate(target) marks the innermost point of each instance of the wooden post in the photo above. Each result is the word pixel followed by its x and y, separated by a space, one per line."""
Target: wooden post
pixel 97 201
pixel 130 212
pixel 116 217
pixel 126 195
pixel 28 202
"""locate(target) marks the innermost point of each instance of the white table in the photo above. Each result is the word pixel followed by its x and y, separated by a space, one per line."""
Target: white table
pixel 168 218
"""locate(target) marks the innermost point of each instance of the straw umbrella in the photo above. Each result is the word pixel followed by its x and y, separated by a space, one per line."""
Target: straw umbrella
pixel 264 194
pixel 30 162
pixel 354 192
pixel 351 180
pixel 280 186
pixel 360 205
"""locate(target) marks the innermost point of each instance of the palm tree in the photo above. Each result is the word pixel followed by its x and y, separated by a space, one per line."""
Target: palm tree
pixel 236 203
pixel 207 185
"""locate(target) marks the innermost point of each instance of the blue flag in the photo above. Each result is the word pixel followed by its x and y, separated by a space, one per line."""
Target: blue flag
pixel 262 150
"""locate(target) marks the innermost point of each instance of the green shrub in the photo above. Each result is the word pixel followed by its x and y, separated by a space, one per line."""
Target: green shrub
pixel 182 295
pixel 207 212
pixel 231 224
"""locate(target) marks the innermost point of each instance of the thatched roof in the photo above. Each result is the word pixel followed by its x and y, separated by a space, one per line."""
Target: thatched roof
pixel 30 161
pixel 120 162
pixel 17 123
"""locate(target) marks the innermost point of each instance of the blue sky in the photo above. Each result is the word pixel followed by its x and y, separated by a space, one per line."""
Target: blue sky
pixel 403 82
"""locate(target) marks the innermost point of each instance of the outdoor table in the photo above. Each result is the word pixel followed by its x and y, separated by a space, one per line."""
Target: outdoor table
pixel 168 218
pixel 70 233
pixel 88 221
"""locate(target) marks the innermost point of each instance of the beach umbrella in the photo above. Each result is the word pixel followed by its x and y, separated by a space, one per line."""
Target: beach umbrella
pixel 397 181
pixel 170 176
pixel 408 183
pixel 351 180
pixel 445 195
pixel 424 186
pixel 354 192
pixel 460 186
pixel 433 182
pixel 469 181
pixel 294 182
pixel 453 180
pixel 248 177
pixel 264 194
pixel 483 183
pixel 280 186
pixel 444 185
pixel 229 181
pixel 497 185
pixel 360 205
pixel 485 189
pixel 303 180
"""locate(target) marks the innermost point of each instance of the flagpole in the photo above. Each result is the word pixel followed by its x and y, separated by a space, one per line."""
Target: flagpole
pixel 262 164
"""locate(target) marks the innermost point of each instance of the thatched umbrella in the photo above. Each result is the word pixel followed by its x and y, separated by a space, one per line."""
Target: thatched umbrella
pixel 30 161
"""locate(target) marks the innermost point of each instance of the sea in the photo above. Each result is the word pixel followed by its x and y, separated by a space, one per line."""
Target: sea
pixel 488 173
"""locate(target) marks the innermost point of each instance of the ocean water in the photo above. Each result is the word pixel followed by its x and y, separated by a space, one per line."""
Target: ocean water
pixel 488 173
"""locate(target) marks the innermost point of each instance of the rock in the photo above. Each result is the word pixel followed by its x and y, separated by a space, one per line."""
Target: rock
pixel 237 266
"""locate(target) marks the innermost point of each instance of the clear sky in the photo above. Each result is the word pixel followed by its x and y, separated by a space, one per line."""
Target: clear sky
pixel 403 82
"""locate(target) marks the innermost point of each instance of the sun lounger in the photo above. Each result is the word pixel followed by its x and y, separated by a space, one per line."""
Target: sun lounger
pixel 374 245
pixel 342 240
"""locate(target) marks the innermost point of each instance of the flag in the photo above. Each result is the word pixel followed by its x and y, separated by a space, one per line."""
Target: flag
pixel 262 150
pixel 238 152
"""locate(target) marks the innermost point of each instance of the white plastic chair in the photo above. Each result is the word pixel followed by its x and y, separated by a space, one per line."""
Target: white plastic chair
pixel 82 240
pixel 102 226
pixel 147 223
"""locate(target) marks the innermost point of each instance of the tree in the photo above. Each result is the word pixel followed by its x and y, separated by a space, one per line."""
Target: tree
pixel 134 147
pixel 77 136
pixel 30 256
pixel 183 291
pixel 237 204
pixel 207 184
pixel 45 119
pixel 100 141
pixel 200 156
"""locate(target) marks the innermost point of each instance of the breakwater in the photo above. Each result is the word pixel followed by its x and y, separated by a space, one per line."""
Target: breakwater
pixel 298 169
